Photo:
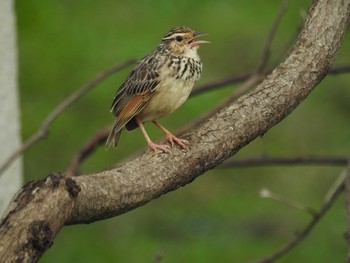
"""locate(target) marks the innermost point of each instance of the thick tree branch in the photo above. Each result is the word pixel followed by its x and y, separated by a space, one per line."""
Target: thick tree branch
pixel 42 207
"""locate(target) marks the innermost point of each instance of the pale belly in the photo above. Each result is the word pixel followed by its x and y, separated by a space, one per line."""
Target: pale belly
pixel 170 96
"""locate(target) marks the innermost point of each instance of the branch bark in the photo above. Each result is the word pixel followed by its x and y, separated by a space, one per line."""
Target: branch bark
pixel 42 207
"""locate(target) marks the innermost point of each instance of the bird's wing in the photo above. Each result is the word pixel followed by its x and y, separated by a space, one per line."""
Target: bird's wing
pixel 136 91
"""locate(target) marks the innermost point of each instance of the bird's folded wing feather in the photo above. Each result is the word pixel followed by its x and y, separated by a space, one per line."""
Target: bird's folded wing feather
pixel 135 92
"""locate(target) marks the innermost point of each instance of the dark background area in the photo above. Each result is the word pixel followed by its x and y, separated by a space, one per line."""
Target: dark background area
pixel 220 216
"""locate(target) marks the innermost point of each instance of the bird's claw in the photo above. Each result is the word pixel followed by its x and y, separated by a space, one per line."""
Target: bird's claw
pixel 159 147
pixel 172 138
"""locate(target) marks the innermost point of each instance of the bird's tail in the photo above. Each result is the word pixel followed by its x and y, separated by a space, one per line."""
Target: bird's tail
pixel 114 136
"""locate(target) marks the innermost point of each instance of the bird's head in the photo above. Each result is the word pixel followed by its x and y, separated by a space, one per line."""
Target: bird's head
pixel 183 41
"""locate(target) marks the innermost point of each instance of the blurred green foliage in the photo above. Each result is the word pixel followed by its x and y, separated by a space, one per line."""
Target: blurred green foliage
pixel 219 217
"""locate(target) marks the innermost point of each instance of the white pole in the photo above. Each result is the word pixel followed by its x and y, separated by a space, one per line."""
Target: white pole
pixel 11 179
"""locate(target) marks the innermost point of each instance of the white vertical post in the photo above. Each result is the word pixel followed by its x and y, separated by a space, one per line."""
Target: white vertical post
pixel 11 179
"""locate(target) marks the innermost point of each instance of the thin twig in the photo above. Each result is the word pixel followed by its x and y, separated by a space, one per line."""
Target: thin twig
pixel 241 77
pixel 87 149
pixel 43 130
pixel 220 83
pixel 267 47
pixel 340 69
pixel 301 235
pixel 340 180
pixel 266 193
pixel 269 161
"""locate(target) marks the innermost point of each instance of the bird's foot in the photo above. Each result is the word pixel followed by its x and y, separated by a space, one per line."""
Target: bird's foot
pixel 159 147
pixel 172 139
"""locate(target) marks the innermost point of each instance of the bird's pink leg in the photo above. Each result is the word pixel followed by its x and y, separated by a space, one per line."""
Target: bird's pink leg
pixel 171 137
pixel 151 145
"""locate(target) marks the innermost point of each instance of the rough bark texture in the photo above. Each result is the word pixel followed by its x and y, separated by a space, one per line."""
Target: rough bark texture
pixel 11 180
pixel 42 207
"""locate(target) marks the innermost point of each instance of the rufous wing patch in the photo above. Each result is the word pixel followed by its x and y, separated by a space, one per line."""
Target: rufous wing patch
pixel 133 107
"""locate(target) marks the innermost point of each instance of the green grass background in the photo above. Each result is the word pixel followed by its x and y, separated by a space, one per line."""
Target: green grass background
pixel 220 216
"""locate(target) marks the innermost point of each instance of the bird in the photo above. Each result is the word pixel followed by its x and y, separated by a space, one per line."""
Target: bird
pixel 158 84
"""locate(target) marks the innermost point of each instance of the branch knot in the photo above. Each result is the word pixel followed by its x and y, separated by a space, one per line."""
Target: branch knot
pixel 70 185
pixel 41 235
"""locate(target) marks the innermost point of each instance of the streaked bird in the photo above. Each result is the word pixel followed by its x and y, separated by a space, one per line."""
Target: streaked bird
pixel 158 84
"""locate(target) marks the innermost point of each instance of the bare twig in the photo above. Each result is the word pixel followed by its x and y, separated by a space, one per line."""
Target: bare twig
pixel 340 180
pixel 266 193
pixel 223 82
pixel 44 128
pixel 301 235
pixel 267 47
pixel 268 161
pixel 220 83
pixel 87 149
pixel 340 70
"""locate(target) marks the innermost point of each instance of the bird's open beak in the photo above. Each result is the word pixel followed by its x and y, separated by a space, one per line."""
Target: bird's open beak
pixel 194 43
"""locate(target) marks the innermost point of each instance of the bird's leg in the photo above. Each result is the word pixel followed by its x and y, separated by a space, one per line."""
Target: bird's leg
pixel 151 145
pixel 171 137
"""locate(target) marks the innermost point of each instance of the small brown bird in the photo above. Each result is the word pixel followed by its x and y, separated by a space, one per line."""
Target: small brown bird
pixel 159 84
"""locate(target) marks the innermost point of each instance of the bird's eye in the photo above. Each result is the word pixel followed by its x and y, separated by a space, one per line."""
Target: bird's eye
pixel 178 38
